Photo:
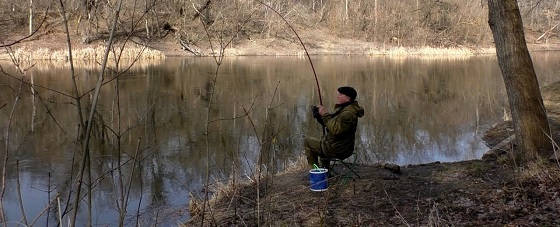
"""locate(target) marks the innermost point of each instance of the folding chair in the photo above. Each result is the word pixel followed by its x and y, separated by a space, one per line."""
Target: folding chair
pixel 351 166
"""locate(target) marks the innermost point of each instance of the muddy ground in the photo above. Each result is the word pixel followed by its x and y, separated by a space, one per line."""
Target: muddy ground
pixel 462 193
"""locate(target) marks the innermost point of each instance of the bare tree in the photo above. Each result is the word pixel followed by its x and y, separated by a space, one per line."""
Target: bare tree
pixel 87 134
pixel 525 100
pixel 30 17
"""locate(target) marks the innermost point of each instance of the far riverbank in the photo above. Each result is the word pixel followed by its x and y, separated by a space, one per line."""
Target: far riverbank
pixel 54 47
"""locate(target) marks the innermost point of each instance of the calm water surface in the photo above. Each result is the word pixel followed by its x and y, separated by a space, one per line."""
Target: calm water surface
pixel 417 110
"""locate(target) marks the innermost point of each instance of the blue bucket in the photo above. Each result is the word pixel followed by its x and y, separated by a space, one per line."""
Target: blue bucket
pixel 318 180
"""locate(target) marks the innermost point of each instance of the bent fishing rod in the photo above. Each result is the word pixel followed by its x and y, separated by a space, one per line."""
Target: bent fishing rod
pixel 303 45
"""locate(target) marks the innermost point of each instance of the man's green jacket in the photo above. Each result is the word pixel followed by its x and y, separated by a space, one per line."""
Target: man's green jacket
pixel 341 129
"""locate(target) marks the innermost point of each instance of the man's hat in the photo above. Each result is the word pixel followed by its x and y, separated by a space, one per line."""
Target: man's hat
pixel 348 91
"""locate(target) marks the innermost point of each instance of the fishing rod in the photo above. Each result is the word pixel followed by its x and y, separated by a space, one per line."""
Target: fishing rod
pixel 303 45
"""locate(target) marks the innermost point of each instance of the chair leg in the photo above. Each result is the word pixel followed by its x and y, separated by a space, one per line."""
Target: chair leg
pixel 350 167
pixel 332 167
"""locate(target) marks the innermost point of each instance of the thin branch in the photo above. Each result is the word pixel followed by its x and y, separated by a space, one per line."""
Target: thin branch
pixel 22 80
pixel 252 125
pixel 48 198
pixel 98 180
pixel 395 208
pixel 206 140
pixel 258 167
pixel 59 212
pixel 533 7
pixel 31 34
pixel 35 85
pixel 71 182
pixel 46 209
pixel 6 154
pixel 71 61
pixel 102 176
pixel 141 194
pixel 218 60
pixel 235 117
pixel 130 182
pixel 20 199
pixel 51 115
pixel 119 74
pixel 92 111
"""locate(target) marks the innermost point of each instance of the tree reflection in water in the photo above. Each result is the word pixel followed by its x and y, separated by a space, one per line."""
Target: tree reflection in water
pixel 417 110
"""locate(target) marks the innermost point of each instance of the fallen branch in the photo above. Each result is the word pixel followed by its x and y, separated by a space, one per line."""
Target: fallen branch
pixel 188 48
pixel 546 32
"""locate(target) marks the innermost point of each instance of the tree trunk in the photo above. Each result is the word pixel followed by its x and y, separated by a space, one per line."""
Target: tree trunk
pixel 375 14
pixel 148 29
pixel 419 17
pixel 313 5
pixel 34 110
pixel 345 10
pixel 525 100
pixel 30 17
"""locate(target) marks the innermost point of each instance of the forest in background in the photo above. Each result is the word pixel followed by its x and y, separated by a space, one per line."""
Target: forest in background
pixel 408 23
pixel 156 20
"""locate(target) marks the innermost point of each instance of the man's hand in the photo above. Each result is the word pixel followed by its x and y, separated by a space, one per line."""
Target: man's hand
pixel 316 110
pixel 322 110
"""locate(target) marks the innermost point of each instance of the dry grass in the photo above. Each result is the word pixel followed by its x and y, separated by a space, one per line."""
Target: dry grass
pixel 46 65
pixel 540 172
pixel 88 53
pixel 295 166
pixel 44 59
pixel 432 52
pixel 220 190
pixel 229 189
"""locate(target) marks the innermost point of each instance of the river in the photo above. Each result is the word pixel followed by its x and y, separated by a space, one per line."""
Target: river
pixel 417 110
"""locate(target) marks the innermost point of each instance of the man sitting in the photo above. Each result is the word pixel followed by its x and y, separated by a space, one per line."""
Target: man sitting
pixel 340 125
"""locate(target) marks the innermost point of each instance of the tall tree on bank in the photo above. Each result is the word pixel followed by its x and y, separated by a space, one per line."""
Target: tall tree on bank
pixel 529 116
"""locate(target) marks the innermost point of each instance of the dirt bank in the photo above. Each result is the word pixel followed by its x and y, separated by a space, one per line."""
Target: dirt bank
pixel 463 193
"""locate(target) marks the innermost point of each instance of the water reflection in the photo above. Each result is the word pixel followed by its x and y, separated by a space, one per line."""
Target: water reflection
pixel 417 111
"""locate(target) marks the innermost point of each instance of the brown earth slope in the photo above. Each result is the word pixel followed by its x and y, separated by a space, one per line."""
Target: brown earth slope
pixel 462 193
